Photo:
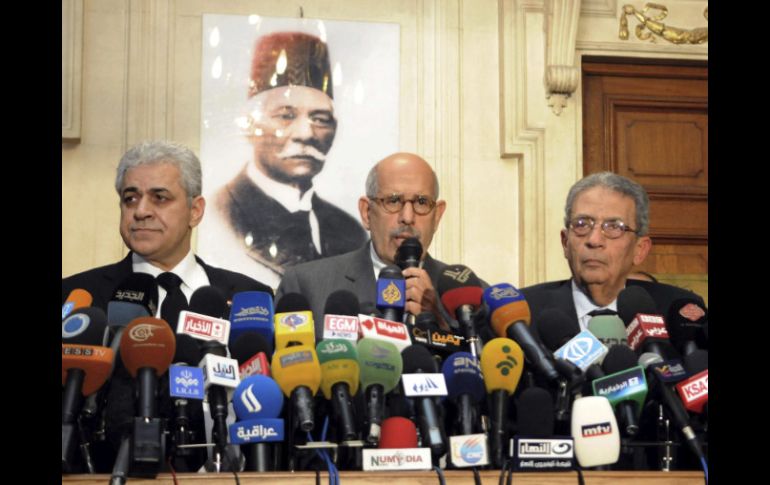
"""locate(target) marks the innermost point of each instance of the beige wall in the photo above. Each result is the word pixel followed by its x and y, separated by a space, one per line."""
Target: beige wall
pixel 473 103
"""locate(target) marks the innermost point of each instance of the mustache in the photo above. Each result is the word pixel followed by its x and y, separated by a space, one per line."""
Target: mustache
pixel 297 150
pixel 402 230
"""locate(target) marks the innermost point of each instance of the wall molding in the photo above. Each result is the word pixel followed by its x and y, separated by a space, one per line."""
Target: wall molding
pixel 71 69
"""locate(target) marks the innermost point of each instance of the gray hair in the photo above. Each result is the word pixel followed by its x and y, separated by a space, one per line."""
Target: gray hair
pixel 617 183
pixel 373 185
pixel 148 152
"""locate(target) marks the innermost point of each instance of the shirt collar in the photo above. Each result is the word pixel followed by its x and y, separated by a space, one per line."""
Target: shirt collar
pixel 192 274
pixel 286 195
pixel 584 305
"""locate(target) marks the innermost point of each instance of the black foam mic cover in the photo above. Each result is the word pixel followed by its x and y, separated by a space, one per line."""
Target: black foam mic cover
pixel 535 413
pixel 555 328
pixel 342 302
pixel 292 302
pixel 633 300
pixel 409 253
pixel 248 344
pixel 209 301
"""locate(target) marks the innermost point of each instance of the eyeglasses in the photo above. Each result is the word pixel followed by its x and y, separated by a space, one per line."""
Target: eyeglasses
pixel 421 204
pixel 612 228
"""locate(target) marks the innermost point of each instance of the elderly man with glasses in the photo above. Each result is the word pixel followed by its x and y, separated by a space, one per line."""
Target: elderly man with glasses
pixel 605 235
pixel 401 201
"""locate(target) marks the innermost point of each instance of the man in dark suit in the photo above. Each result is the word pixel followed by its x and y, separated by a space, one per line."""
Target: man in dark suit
pixel 159 184
pixel 270 214
pixel 605 236
pixel 401 201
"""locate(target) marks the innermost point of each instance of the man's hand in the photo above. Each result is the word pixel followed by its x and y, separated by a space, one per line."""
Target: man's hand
pixel 421 296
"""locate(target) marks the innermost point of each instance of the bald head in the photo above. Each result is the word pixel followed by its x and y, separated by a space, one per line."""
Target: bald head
pixel 400 162
pixel 409 177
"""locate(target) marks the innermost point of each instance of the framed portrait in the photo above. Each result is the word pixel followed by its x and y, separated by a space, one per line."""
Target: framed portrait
pixel 294 113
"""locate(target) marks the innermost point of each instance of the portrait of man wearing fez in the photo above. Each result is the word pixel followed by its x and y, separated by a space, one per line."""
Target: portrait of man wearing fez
pixel 269 214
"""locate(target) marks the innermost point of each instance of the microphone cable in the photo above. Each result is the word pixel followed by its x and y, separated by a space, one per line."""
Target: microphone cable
pixel 705 468
pixel 441 479
pixel 334 474
pixel 476 476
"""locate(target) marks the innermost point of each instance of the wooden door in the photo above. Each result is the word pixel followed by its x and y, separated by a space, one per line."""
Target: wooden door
pixel 648 120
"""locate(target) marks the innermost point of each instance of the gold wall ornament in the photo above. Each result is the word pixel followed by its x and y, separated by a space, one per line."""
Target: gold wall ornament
pixel 675 35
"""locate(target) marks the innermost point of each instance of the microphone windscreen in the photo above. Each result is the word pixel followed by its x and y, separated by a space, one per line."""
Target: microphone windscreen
pixel 139 288
pixel 417 359
pixel 257 396
pixel 697 361
pixel 685 320
pixel 296 366
pixel 609 329
pixel 339 364
pixel 409 253
pixel 292 302
pixel 78 298
pixel 209 301
pixel 535 413
pixel 426 321
pixel 619 358
pixel 502 362
pixel 249 344
pixel 595 431
pixel 188 350
pixel 147 342
pixel 462 373
pixel 649 358
pixel 633 300
pixel 457 297
pixel 459 286
pixel 506 306
pixel 555 328
pixel 252 311
pixel 94 360
pixel 398 432
pixel 84 326
pixel 379 362
pixel 342 302
pixel 121 313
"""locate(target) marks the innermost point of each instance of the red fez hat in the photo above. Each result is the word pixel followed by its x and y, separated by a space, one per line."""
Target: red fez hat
pixel 290 59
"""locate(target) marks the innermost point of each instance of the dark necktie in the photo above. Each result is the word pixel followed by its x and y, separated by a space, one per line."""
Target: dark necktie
pixel 175 300
pixel 602 311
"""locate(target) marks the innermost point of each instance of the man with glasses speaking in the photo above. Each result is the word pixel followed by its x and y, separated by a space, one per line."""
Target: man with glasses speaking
pixel 401 201
pixel 605 236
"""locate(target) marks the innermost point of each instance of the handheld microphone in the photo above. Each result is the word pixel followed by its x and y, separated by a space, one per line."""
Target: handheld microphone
pixel 609 329
pixel 340 316
pixel 461 292
pixel 510 317
pixel 185 387
pixel 408 255
pixel 462 372
pixel 595 430
pixel 646 331
pixel 78 298
pixel 633 300
pixel 257 402
pixel 380 365
pixel 147 348
pixel 251 349
pixel 417 359
pixel 502 362
pixel 694 390
pixel 685 320
pixel 391 293
pixel 339 381
pixel 220 380
pixel 293 322
pixel 297 371
pixel 252 311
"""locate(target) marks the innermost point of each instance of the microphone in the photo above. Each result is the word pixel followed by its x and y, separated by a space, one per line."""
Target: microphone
pixel 257 402
pixel 555 328
pixel 417 359
pixel 220 380
pixel 674 404
pixel 462 372
pixel 201 320
pixel 398 432
pixel 646 332
pixel 461 292
pixel 293 322
pixel 595 430
pixel 391 293
pixel 685 321
pixel 340 320
pixel 252 311
pixel 297 371
pixel 535 413
pixel 694 390
pixel 502 362
pixel 633 300
pixel 78 298
pixel 340 374
pixel 398 448
pixel 409 253
pixel 147 348
pixel 510 317
pixel 85 368
pixel 251 349
pixel 380 367
pixel 427 332
pixel 609 329
pixel 624 386
pixel 209 300
pixel 185 385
